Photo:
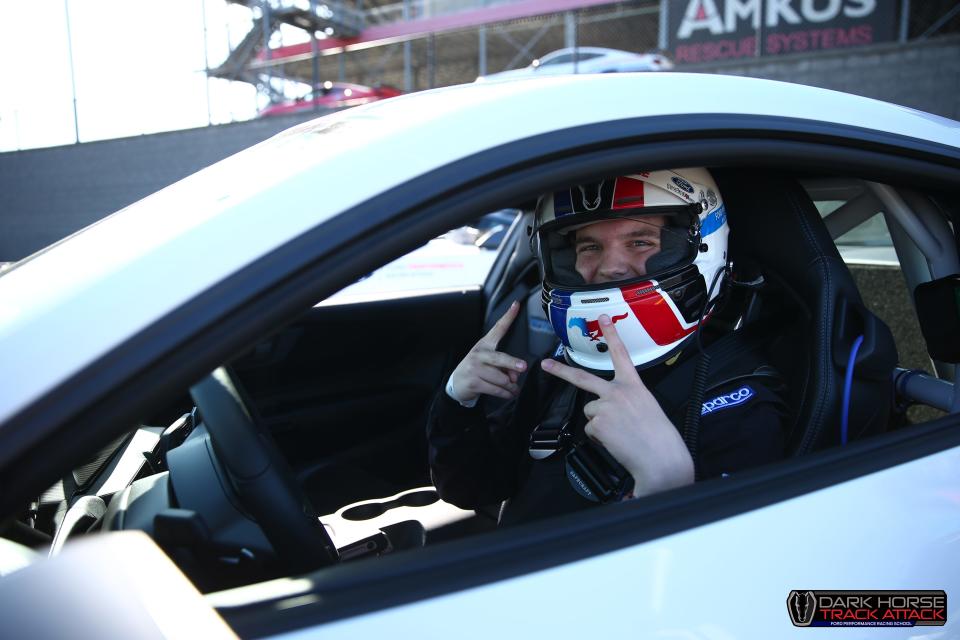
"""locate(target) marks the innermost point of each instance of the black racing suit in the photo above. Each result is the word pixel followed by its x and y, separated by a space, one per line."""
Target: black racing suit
pixel 478 460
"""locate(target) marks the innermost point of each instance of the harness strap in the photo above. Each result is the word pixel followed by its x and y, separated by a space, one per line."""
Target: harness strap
pixel 554 431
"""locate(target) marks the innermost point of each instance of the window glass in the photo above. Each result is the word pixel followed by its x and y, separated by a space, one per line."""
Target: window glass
pixel 458 259
pixel 336 92
pixel 871 233
pixel 567 57
pixel 867 243
pixel 869 253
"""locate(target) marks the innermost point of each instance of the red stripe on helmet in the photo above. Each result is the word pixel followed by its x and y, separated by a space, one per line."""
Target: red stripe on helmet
pixel 627 194
pixel 656 316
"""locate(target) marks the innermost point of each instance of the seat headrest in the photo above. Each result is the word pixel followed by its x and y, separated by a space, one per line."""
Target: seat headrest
pixel 774 223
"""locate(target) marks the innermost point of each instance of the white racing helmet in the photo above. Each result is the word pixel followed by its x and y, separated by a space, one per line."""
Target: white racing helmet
pixel 674 222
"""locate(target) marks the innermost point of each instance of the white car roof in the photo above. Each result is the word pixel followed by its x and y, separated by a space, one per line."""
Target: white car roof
pixel 601 50
pixel 72 303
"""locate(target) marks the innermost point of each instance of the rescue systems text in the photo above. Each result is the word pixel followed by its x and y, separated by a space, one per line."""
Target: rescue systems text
pixel 726 29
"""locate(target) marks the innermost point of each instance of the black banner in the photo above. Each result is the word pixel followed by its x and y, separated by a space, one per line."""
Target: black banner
pixel 708 30
pixel 809 608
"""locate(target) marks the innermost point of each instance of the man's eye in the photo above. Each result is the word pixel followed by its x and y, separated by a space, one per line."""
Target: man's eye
pixel 583 248
pixel 642 243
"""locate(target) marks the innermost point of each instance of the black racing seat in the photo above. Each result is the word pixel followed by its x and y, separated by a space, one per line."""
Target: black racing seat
pixel 811 309
pixel 531 336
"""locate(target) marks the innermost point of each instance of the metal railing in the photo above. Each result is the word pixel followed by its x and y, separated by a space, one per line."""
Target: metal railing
pixel 394 12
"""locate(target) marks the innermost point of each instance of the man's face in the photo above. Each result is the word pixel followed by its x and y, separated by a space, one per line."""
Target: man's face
pixel 612 250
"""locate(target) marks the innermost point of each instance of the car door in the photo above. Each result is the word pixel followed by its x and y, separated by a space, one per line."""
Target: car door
pixel 652 554
pixel 652 557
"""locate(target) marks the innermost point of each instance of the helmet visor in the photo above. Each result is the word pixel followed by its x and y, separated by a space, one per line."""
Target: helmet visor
pixel 619 248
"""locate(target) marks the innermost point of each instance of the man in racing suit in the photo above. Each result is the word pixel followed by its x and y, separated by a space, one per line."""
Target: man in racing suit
pixel 631 267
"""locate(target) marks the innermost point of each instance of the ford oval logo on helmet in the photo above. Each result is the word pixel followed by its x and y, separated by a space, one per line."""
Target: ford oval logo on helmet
pixel 683 184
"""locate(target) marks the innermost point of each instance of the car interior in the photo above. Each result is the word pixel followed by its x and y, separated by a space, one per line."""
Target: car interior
pixel 308 450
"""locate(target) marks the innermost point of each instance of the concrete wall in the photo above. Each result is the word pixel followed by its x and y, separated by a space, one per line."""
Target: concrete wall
pixel 48 194
pixel 923 75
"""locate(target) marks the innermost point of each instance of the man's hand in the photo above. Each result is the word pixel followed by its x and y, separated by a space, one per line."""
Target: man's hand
pixel 627 420
pixel 484 370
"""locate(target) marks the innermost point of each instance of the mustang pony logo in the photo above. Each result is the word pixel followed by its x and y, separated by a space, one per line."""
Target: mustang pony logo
pixel 591 328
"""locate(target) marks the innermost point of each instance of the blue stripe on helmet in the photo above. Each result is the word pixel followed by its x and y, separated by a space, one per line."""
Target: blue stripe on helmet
pixel 562 203
pixel 713 221
pixel 559 303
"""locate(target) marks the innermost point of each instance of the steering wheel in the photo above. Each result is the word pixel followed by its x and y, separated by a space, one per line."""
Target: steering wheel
pixel 265 483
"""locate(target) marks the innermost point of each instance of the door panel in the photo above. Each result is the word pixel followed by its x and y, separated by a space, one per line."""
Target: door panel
pixel 345 391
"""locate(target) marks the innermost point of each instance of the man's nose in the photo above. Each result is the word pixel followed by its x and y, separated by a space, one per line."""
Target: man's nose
pixel 615 266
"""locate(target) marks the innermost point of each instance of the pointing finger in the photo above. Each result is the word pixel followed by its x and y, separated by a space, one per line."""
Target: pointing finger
pixel 496 333
pixel 622 364
pixel 501 360
pixel 576 377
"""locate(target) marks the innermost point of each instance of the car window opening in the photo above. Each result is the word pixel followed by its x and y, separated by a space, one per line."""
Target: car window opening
pixel 337 434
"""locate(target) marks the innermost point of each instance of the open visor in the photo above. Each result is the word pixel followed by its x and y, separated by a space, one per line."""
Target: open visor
pixel 582 251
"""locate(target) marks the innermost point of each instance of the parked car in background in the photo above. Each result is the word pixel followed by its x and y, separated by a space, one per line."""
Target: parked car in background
pixel 587 60
pixel 332 95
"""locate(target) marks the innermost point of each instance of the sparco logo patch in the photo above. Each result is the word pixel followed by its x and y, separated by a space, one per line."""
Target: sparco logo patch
pixel 727 400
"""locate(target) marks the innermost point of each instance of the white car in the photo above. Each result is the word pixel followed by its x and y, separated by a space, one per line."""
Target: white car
pixel 574 60
pixel 104 460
